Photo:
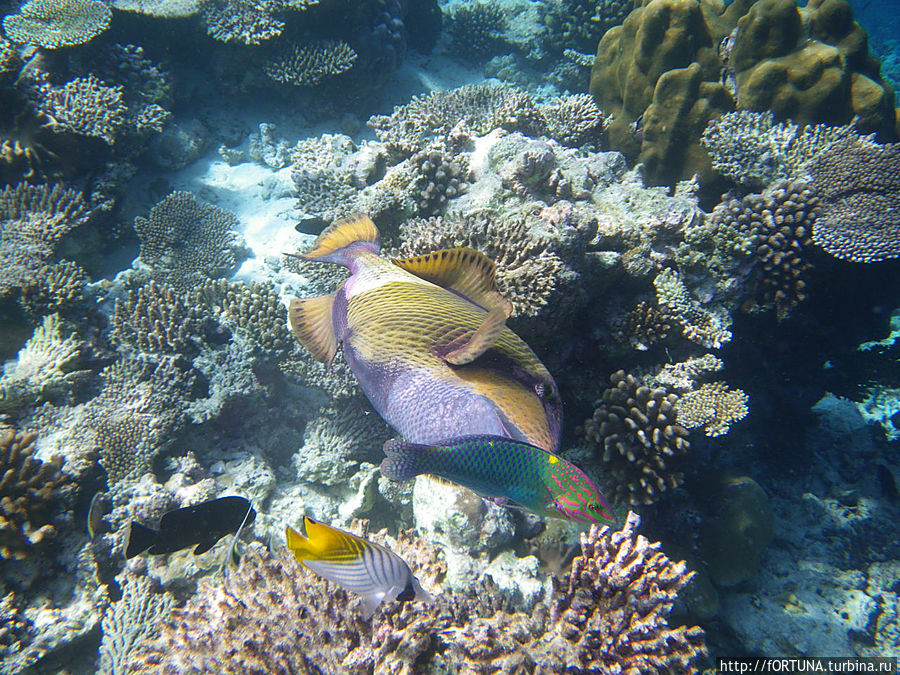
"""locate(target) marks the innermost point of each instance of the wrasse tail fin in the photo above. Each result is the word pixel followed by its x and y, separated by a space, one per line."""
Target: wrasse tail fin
pixel 341 234
pixel 464 270
pixel 139 539
pixel 311 322
pixel 403 460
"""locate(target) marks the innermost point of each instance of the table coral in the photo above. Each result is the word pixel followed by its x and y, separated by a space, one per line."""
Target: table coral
pixel 186 240
pixel 309 63
pixel 32 492
pixel 159 8
pixel 609 613
pixel 83 106
pixel 636 434
pixel 52 24
pixel 241 21
pixel 860 185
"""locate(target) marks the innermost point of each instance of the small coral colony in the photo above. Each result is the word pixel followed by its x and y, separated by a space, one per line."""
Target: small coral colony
pixel 371 376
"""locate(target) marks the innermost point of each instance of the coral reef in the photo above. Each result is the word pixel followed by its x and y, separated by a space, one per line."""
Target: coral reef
pixel 157 319
pixel 33 218
pixel 475 30
pixel 703 326
pixel 167 9
pixel 635 431
pixel 83 106
pixel 860 186
pixel 579 24
pixel 275 616
pixel 308 64
pixel 52 24
pixel 186 240
pixel 54 288
pixel 714 406
pixel 711 58
pixel 643 327
pixel 438 178
pixel 241 21
pixel 32 494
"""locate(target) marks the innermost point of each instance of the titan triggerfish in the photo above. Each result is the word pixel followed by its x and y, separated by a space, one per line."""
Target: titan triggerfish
pixel 427 339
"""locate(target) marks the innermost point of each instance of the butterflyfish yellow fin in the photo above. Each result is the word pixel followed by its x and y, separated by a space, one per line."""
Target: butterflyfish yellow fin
pixel 342 233
pixel 464 270
pixel 311 322
pixel 323 542
pixel 482 339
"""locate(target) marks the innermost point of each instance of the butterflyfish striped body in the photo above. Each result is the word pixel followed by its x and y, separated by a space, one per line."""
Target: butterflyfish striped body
pixel 355 564
pixel 427 339
pixel 504 470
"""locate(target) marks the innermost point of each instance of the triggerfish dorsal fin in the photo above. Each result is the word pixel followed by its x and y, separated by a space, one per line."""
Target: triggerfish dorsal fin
pixel 357 228
pixel 311 322
pixel 464 270
pixel 356 564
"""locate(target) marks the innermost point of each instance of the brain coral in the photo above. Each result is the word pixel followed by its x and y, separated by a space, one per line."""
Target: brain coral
pixel 31 490
pixel 57 23
pixel 186 240
pixel 608 614
pixel 674 65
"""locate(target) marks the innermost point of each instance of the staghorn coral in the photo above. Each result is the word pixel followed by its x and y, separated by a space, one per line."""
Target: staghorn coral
pixel 186 240
pixel 33 218
pixel 271 615
pixel 752 149
pixel 714 406
pixel 254 311
pixel 860 186
pixel 157 319
pixel 643 327
pixel 83 106
pixel 47 367
pixel 475 108
pixel 308 64
pixel 52 24
pixel 703 326
pixel 135 416
pixel 31 491
pixel 531 271
pixel 635 431
pixel 54 288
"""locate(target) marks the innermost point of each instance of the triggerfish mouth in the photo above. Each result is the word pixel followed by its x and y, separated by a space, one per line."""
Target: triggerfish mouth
pixel 355 564
pixel 427 339
pixel 505 471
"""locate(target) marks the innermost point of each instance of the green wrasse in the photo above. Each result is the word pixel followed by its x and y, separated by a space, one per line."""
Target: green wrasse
pixel 355 564
pixel 502 469
pixel 427 339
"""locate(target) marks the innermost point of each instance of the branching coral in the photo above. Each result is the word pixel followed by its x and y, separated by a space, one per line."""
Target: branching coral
pixel 54 288
pixel 83 106
pixel 308 64
pixel 575 120
pixel 610 614
pixel 186 240
pixel 31 491
pixel 475 29
pixel 249 23
pixel 438 177
pixel 15 628
pixel 32 221
pixel 52 24
pixel 705 327
pixel 156 319
pixel 48 366
pixel 714 406
pixel 860 185
pixel 643 327
pixel 635 431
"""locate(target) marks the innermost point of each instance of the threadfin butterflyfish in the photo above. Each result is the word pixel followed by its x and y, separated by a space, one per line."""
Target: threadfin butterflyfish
pixel 503 469
pixel 358 565
pixel 201 525
pixel 427 339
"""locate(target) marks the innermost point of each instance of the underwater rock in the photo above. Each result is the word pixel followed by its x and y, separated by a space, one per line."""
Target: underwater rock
pixel 267 147
pixel 735 536
pixel 519 579
pixel 180 143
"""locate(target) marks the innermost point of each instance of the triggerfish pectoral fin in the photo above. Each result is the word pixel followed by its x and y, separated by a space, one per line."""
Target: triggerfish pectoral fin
pixel 311 322
pixel 355 564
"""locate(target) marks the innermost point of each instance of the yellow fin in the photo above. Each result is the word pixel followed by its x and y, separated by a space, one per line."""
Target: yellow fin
pixel 323 542
pixel 464 270
pixel 482 339
pixel 342 233
pixel 311 322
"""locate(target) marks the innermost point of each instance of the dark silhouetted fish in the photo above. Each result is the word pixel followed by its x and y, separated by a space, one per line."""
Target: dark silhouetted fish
pixel 201 525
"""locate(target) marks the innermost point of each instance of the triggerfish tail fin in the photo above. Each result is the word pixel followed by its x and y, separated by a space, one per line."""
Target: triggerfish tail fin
pixel 138 539
pixel 356 564
pixel 311 322
pixel 403 460
pixel 472 275
pixel 336 243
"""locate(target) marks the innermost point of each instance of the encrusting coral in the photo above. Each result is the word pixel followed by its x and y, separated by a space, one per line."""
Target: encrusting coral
pixel 52 24
pixel 608 613
pixel 186 240
pixel 31 492
pixel 859 182
pixel 637 434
